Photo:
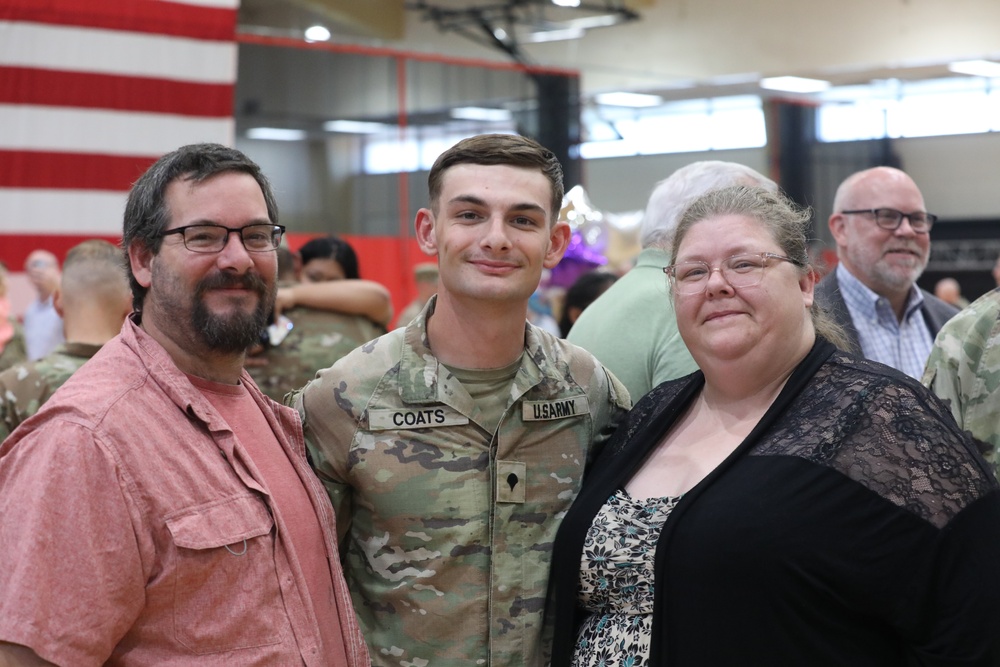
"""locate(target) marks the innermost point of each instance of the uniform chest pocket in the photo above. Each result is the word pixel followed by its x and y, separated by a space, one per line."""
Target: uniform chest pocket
pixel 225 591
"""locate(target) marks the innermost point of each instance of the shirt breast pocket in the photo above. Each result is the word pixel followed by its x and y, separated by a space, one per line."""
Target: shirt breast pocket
pixel 225 590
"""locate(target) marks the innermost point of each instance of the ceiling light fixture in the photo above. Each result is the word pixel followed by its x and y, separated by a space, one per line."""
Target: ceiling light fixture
pixel 624 99
pixel 276 134
pixel 355 126
pixel 794 84
pixel 554 35
pixel 482 113
pixel 590 22
pixel 986 68
pixel 566 3
pixel 317 33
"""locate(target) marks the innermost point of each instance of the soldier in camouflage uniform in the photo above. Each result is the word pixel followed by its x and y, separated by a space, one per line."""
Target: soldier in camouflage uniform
pixel 316 340
pixel 318 331
pixel 964 370
pixel 452 447
pixel 24 387
pixel 12 344
pixel 93 300
pixel 425 277
pixel 14 349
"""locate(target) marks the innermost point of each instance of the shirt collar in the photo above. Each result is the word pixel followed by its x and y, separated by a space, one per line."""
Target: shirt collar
pixel 860 298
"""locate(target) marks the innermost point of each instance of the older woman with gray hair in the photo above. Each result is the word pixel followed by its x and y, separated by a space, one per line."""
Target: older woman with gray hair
pixel 786 504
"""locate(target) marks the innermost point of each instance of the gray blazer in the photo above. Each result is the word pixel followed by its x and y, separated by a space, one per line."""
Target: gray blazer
pixel 935 311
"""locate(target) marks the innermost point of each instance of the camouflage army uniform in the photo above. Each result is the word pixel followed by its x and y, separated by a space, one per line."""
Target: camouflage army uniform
pixel 15 351
pixel 24 387
pixel 450 527
pixel 964 369
pixel 317 339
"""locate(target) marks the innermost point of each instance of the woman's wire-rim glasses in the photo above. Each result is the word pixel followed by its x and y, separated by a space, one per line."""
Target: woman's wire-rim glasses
pixel 743 270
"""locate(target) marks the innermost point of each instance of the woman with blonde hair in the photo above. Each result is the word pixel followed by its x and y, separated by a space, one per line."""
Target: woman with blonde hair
pixel 788 503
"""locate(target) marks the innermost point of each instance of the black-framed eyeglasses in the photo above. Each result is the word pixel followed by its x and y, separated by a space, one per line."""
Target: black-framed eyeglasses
pixel 208 238
pixel 890 218
pixel 745 270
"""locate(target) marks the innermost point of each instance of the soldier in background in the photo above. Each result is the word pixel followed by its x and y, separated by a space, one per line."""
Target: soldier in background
pixel 425 276
pixel 304 339
pixel 964 370
pixel 452 447
pixel 12 345
pixel 93 300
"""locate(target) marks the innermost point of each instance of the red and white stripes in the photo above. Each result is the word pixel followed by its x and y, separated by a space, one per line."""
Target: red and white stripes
pixel 91 93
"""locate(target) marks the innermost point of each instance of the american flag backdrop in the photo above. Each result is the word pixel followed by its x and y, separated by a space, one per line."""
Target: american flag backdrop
pixel 91 93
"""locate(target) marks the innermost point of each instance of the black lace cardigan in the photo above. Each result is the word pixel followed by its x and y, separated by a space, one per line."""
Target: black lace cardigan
pixel 855 525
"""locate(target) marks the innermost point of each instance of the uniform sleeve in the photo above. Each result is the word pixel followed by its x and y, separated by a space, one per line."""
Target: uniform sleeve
pixel 328 449
pixel 7 413
pixel 15 350
pixel 611 411
pixel 942 374
pixel 964 370
pixel 21 387
pixel 72 579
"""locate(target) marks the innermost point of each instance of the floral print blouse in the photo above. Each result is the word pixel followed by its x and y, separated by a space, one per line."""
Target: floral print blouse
pixel 616 581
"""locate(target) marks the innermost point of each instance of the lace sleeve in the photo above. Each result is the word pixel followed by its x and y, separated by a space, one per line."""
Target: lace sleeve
pixel 886 432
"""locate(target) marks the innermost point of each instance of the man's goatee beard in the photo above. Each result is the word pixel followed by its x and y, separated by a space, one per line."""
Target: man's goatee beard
pixel 238 331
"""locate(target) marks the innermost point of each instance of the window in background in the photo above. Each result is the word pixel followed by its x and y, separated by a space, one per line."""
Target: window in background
pixel 417 149
pixel 937 107
pixel 677 127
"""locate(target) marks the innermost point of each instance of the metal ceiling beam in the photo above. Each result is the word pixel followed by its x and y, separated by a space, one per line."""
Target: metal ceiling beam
pixel 496 24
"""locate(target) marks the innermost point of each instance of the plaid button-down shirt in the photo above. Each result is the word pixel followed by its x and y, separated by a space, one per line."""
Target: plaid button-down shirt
pixel 904 345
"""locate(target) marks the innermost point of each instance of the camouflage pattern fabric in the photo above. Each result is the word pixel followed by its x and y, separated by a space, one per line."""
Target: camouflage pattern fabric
pixel 318 338
pixel 24 387
pixel 449 527
pixel 15 351
pixel 964 370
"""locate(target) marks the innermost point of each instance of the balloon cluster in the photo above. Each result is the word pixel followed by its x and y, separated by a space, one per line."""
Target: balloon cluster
pixel 588 240
pixel 608 241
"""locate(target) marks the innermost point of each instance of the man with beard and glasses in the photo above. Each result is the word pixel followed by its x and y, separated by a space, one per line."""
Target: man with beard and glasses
pixel 159 509
pixel 882 231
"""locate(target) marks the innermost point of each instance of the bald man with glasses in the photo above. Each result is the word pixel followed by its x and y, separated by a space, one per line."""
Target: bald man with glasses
pixel 882 231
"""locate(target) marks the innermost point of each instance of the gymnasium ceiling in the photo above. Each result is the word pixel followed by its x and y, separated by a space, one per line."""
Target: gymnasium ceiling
pixel 675 48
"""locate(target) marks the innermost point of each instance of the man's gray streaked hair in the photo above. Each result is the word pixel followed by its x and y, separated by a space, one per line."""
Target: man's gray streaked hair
pixel 672 195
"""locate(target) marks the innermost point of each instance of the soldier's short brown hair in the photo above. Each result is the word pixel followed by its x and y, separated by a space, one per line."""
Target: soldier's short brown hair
pixel 510 150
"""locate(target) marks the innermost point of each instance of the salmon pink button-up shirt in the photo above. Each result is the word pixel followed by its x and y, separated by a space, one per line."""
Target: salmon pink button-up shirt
pixel 134 528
